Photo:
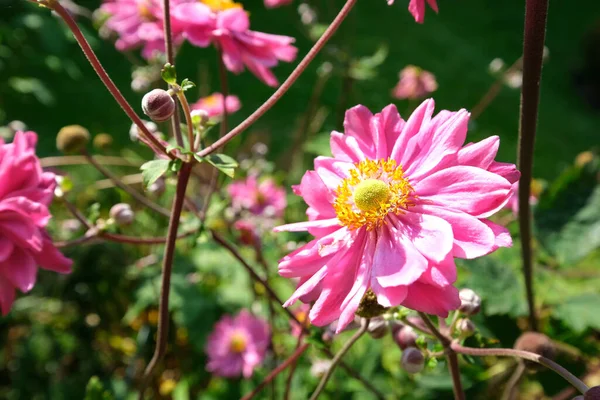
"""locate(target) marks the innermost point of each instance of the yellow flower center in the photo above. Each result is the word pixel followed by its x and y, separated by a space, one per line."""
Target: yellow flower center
pixel 212 100
pixel 221 5
pixel 237 343
pixel 144 10
pixel 372 191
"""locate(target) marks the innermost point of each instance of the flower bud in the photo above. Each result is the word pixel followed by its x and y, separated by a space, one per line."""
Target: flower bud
pixel 412 360
pixel 592 394
pixel 199 117
pixel 158 187
pixel 537 343
pixel 470 302
pixel 377 327
pixel 406 337
pixel 465 327
pixel 158 105
pixel 578 398
pixel 102 141
pixel 122 214
pixel 72 139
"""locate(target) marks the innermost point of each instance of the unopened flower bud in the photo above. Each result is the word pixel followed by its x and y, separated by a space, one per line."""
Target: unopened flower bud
pixel 158 105
pixel 592 394
pixel 102 141
pixel 578 398
pixel 72 139
pixel 496 66
pixel 17 126
pixel 406 337
pixel 199 117
pixel 537 343
pixel 158 187
pixel 377 327
pixel 369 307
pixel 470 302
pixel 465 327
pixel 412 360
pixel 122 214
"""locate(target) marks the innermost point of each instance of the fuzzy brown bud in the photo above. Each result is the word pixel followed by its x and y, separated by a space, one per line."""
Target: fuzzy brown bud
pixel 72 139
pixel 537 343
pixel 369 307
pixel 412 360
pixel 102 141
pixel 158 105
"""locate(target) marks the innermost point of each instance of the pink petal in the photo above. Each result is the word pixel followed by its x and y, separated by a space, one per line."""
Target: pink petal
pixel 20 270
pixel 332 171
pixel 406 147
pixel 50 258
pixel 316 194
pixel 389 296
pixel 417 9
pixel 441 274
pixel 345 148
pixel 304 226
pixel 432 236
pixel 357 125
pixel 307 287
pixel 6 248
pixel 502 235
pixel 7 296
pixel 431 299
pixel 468 189
pixel 505 170
pixel 479 154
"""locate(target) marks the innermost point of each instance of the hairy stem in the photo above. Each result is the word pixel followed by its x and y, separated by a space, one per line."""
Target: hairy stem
pixel 163 308
pixel 536 12
pixel 175 126
pixel 288 82
pixel 282 367
pixel 128 189
pixel 112 88
pixel 188 117
pixel 451 357
pixel 338 358
pixel 525 355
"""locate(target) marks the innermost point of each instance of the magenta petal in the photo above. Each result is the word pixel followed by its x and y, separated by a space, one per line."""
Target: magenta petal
pixel 20 269
pixel 304 226
pixel 397 262
pixel 431 235
pixel 390 296
pixel 307 287
pixel 441 274
pixel 501 234
pixel 431 299
pixel 479 154
pixel 357 125
pixel 7 296
pixel 406 147
pixel 345 148
pixel 505 170
pixel 468 189
pixel 6 248
pixel 50 258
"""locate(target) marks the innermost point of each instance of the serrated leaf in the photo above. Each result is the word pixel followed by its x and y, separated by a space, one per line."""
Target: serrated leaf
pixel 567 217
pixel 579 312
pixel 186 84
pixel 222 162
pixel 152 170
pixel 169 74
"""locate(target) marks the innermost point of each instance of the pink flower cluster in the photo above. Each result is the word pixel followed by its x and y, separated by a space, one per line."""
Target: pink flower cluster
pixel 392 209
pixel 417 8
pixel 220 22
pixel 414 83
pixel 25 195
pixel 213 105
pixel 237 345
pixel 259 198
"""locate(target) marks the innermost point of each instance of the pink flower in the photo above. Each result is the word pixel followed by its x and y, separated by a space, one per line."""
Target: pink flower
pixel 393 208
pixel 25 195
pixel 513 203
pixel 213 104
pixel 138 23
pixel 264 198
pixel 277 3
pixel 302 314
pixel 237 345
pixel 227 25
pixel 414 83
pixel 247 232
pixel 417 8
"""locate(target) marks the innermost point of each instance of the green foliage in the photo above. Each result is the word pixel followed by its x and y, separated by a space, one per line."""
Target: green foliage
pixel 152 170
pixel 580 312
pixel 169 74
pixel 186 84
pixel 222 162
pixel 95 390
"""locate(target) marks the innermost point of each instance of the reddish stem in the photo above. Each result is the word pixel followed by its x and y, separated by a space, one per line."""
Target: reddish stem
pixel 287 84
pixel 112 88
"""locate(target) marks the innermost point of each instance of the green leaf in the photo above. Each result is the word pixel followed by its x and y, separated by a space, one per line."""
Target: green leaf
pixel 186 84
pixel 169 74
pixel 567 217
pixel 366 67
pixel 152 170
pixel 222 162
pixel 95 390
pixel 580 312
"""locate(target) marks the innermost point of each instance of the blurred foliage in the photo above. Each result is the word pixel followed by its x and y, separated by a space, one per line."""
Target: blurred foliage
pixel 89 334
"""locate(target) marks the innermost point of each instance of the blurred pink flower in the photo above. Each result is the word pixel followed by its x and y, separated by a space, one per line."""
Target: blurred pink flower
pixel 393 208
pixel 302 314
pixel 277 3
pixel 417 8
pixel 415 83
pixel 247 232
pixel 513 203
pixel 139 23
pixel 264 198
pixel 237 345
pixel 227 25
pixel 213 104
pixel 26 192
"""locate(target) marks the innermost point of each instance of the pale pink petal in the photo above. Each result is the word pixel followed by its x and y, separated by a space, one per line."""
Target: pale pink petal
pixel 480 154
pixel 389 296
pixel 345 148
pixel 406 148
pixel 501 234
pixel 431 299
pixel 431 235
pixel 304 226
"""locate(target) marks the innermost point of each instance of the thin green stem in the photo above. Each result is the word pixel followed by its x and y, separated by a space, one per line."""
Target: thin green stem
pixel 536 12
pixel 188 117
pixel 338 358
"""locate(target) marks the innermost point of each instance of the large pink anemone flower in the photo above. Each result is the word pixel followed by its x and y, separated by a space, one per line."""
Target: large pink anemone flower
pixel 391 210
pixel 26 192
pixel 237 345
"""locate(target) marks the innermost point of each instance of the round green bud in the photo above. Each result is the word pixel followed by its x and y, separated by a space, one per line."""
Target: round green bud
pixel 72 139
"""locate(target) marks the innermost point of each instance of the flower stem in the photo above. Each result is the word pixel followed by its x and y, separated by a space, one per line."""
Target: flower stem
pixel 288 382
pixel 338 358
pixel 224 92
pixel 112 88
pixel 282 367
pixel 188 117
pixel 126 188
pixel 451 357
pixel 288 82
pixel 536 12
pixel 525 355
pixel 59 161
pixel 512 383
pixel 163 308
